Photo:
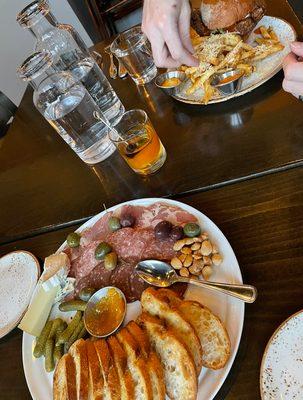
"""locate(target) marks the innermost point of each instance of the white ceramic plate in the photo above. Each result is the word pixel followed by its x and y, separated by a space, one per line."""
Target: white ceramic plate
pixel 281 376
pixel 230 310
pixel 266 68
pixel 19 272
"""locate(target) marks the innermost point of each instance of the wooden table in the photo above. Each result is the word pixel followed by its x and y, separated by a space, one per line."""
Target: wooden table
pixel 239 162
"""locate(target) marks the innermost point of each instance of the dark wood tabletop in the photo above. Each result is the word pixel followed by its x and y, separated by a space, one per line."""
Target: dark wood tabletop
pixel 263 221
pixel 239 162
pixel 44 185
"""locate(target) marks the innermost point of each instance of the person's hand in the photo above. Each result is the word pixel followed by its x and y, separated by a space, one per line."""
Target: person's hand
pixel 166 23
pixel 293 70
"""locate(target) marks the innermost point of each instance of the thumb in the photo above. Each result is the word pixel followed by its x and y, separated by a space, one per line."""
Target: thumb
pixel 297 48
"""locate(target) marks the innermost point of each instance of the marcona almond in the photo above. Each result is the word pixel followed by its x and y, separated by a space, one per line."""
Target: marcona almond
pixel 207 260
pixel 179 244
pixel 206 248
pixel 188 261
pixel 194 277
pixel 176 263
pixel 216 259
pixel 196 246
pixel 197 256
pixel 189 241
pixel 186 250
pixel 207 272
pixel 196 267
pixel 182 257
pixel 204 236
pixel 184 272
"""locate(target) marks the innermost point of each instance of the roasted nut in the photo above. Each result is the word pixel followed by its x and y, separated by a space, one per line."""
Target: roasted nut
pixel 196 246
pixel 216 259
pixel 206 248
pixel 184 272
pixel 182 257
pixel 207 272
pixel 197 256
pixel 204 235
pixel 188 261
pixel 194 277
pixel 215 249
pixel 207 260
pixel 176 263
pixel 186 250
pixel 179 244
pixel 196 267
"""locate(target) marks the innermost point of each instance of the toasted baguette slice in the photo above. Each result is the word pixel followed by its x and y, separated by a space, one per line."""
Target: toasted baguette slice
pixel 79 353
pixel 120 361
pixel 212 334
pixel 111 385
pixel 153 363
pixel 95 381
pixel 136 365
pixel 64 387
pixel 179 368
pixel 154 304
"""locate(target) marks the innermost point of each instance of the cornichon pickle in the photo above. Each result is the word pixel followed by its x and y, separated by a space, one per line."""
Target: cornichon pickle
pixel 66 334
pixel 102 249
pixel 74 336
pixel 59 331
pixel 73 305
pixel 114 224
pixel 58 353
pixel 56 324
pixel 82 333
pixel 49 355
pixel 41 340
pixel 73 239
pixel 86 293
pixel 192 230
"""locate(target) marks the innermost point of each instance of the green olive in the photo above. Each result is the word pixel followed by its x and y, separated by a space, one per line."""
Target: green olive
pixel 102 249
pixel 114 224
pixel 192 230
pixel 73 239
pixel 110 261
pixel 86 293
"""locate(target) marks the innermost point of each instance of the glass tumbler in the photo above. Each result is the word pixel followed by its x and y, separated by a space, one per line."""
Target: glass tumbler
pixel 133 50
pixel 138 142
pixel 68 107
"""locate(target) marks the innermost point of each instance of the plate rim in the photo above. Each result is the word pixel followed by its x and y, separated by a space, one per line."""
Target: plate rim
pixel 38 273
pixel 151 200
pixel 269 343
pixel 248 89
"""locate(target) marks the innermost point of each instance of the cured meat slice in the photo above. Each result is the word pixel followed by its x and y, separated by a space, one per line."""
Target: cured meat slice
pixel 97 278
pixel 85 262
pixel 99 231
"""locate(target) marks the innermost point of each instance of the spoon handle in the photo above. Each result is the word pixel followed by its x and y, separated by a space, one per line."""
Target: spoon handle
pixel 122 71
pixel 112 68
pixel 246 293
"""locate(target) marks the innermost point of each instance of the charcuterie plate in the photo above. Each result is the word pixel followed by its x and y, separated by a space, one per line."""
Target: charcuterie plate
pixel 229 310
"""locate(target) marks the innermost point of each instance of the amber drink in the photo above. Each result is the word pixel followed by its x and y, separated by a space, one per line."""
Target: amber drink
pixel 138 142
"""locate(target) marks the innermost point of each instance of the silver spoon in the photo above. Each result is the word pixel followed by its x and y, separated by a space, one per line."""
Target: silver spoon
pixel 112 68
pixel 161 274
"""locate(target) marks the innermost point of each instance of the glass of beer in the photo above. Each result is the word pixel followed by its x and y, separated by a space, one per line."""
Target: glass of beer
pixel 138 143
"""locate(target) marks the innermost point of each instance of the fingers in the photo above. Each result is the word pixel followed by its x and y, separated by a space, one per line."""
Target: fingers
pixel 297 48
pixel 175 46
pixel 293 69
pixel 161 54
pixel 184 27
pixel 295 88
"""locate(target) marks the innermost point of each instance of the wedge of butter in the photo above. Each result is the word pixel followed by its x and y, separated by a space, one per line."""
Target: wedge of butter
pixel 37 313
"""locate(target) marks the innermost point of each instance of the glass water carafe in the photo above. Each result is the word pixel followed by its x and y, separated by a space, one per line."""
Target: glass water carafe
pixel 69 52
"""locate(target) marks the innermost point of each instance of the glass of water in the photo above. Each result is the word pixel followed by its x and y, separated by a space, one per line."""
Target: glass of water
pixel 133 50
pixel 69 108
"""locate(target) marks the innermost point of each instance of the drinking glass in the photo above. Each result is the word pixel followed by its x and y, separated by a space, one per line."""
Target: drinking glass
pixel 133 50
pixel 138 143
pixel 68 107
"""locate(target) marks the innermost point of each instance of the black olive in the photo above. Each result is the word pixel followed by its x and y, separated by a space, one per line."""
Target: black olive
pixel 176 233
pixel 163 230
pixel 127 220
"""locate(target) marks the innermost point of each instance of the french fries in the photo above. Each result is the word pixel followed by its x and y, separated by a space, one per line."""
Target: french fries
pixel 225 51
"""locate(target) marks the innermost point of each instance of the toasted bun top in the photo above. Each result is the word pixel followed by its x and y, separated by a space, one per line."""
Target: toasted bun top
pixel 220 14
